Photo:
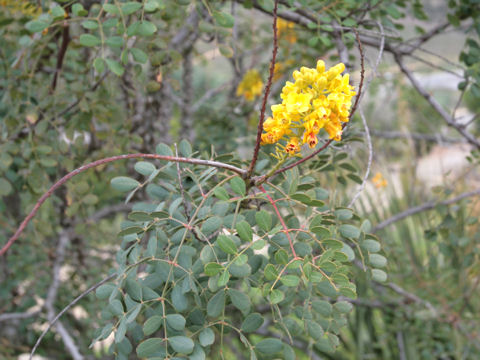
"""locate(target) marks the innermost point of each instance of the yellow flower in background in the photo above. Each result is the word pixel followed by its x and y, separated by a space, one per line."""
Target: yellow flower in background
pixel 285 30
pixel 24 7
pixel 251 85
pixel 379 181
pixel 317 99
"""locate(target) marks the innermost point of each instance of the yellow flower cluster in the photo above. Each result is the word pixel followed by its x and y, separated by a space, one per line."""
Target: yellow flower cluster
pixel 318 99
pixel 251 85
pixel 21 6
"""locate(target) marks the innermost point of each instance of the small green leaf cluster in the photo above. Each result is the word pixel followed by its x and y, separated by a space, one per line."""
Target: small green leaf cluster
pixel 470 55
pixel 212 259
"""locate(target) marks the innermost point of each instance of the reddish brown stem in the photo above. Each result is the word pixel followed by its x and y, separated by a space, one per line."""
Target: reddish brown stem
pixel 285 228
pixel 83 168
pixel 267 92
pixel 61 54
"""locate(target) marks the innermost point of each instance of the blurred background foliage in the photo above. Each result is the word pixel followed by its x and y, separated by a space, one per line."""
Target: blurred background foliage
pixel 83 80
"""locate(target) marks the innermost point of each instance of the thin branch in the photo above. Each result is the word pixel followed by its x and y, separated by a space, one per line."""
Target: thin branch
pixel 368 37
pixel 61 54
pixel 299 344
pixel 377 61
pixel 340 45
pixel 370 157
pixel 424 207
pixel 416 136
pixel 186 120
pixel 267 91
pixel 435 105
pixel 401 346
pixel 52 295
pixel 364 120
pixel 412 297
pixel 18 316
pixel 459 101
pixel 416 42
pixel 362 75
pixel 107 210
pixel 285 228
pixel 185 203
pixel 83 168
pixel 77 299
pixel 209 94
pixel 364 302
pixel 76 102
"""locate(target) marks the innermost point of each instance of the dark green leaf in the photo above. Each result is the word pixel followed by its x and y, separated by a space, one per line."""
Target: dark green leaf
pixel 5 187
pixel 379 275
pixel 146 28
pixel 104 291
pixel 349 231
pixel 152 324
pixel 90 24
pixel 78 10
pixel 206 337
pixel 240 300
pixel 343 307
pixel 130 7
pixel 115 67
pixel 290 280
pixel 114 41
pixel 269 346
pixel 216 304
pixel 89 40
pixel 223 19
pixel 264 220
pixel 211 225
pixel 179 300
pixel 276 296
pixel 270 272
pixel 377 260
pixel 223 278
pixel 238 186
pixel 244 231
pixel 221 193
pixel 226 244
pixel 139 55
pixel 181 344
pixel 252 322
pixel 371 245
pixel 212 269
pixel 121 330
pixel 321 232
pixel 314 330
pixel 322 307
pixel 36 26
pixel 176 321
pixel 281 257
pixel 149 347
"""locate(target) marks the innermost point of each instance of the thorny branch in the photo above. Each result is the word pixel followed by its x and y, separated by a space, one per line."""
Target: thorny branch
pixel 267 91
